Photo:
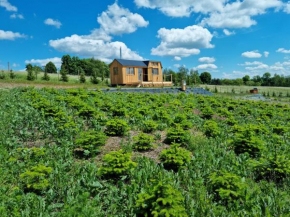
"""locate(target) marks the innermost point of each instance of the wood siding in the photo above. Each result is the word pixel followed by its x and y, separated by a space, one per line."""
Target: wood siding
pixel 116 79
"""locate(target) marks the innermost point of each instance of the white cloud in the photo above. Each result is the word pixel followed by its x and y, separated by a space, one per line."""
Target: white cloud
pixel 52 22
pixel 15 65
pixel 287 7
pixel 283 50
pixel 266 54
pixel 206 60
pixel 255 68
pixel 7 5
pixel 252 54
pixel 216 13
pixel 182 42
pixel 177 58
pixel 15 16
pixel 206 66
pixel 43 62
pixel 93 47
pixel 228 33
pixel 98 44
pixel 176 65
pixel 117 20
pixel 255 63
pixel 8 35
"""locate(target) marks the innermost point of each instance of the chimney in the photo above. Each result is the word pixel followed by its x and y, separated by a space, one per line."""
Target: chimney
pixel 120 52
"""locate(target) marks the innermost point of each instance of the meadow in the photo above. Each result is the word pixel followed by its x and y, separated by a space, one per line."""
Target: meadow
pixel 91 153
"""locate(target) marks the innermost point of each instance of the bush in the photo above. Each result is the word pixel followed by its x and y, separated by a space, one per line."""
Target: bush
pixel 89 142
pixel 227 187
pixel 116 164
pixel 211 129
pixel 160 200
pixel 12 74
pixel 149 126
pixel 207 113
pixel 175 157
pixel 64 77
pixel 116 127
pixel 45 77
pixel 272 168
pixel 30 75
pixel 177 135
pixel 82 77
pixel 35 180
pixel 87 111
pixel 143 142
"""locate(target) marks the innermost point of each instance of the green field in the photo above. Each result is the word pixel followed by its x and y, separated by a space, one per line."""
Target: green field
pixel 81 153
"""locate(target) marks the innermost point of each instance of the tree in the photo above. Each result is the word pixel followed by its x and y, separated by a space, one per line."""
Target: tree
pixel 82 75
pixel 12 74
pixel 45 76
pixel 182 74
pixel 266 79
pixel 50 68
pixel 194 77
pixel 94 77
pixel 30 75
pixel 36 70
pixel 205 77
pixel 66 63
pixel 64 76
pixel 246 78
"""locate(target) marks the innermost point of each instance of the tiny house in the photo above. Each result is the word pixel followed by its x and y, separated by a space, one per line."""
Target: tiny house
pixel 137 73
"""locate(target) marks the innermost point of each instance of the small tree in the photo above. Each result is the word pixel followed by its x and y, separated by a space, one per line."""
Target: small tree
pixel 45 76
pixel 94 78
pixel 82 76
pixel 205 77
pixel 64 76
pixel 30 75
pixel 12 74
pixel 50 68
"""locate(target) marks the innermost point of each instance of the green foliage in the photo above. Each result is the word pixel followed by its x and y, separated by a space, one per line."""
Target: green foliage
pixel 161 199
pixel 149 126
pixel 30 74
pixel 12 74
pixel 63 73
pixel 35 179
pixel 45 77
pixel 211 128
pixel 272 168
pixel 205 77
pixel 207 112
pixel 177 135
pixel 82 77
pixel 227 187
pixel 116 164
pixel 175 157
pixel 50 68
pixel 94 77
pixel 89 142
pixel 116 127
pixel 143 142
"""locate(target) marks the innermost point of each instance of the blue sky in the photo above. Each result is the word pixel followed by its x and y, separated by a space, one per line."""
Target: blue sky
pixel 227 38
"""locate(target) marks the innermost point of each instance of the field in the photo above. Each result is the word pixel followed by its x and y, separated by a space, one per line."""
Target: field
pixel 21 81
pixel 82 153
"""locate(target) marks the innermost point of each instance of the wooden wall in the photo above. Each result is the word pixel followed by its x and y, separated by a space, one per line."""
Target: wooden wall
pixel 116 79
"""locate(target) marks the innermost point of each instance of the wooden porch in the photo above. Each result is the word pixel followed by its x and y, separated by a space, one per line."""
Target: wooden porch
pixel 149 84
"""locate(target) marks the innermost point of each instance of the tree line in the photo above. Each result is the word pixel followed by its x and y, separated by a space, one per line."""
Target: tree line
pixel 193 77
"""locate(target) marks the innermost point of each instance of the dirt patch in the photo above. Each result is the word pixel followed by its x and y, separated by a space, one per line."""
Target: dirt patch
pixel 152 154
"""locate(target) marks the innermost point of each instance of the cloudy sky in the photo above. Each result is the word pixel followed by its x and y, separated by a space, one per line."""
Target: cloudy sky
pixel 228 38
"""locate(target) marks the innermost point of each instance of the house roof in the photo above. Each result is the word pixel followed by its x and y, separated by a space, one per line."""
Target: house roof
pixel 137 63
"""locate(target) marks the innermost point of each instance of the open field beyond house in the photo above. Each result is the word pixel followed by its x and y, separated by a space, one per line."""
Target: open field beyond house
pixel 98 153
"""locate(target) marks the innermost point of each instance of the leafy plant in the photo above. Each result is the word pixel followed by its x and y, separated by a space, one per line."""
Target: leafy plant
pixel 82 78
pixel 149 126
pixel 177 135
pixel 116 127
pixel 116 164
pixel 36 178
pixel 175 157
pixel 89 142
pixel 207 113
pixel 63 73
pixel 143 142
pixel 211 128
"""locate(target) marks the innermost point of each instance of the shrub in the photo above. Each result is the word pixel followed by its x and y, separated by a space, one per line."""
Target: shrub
pixel 64 77
pixel 280 130
pixel 89 142
pixel 149 126
pixel 211 128
pixel 12 74
pixel 35 180
pixel 45 77
pixel 227 187
pixel 30 75
pixel 143 142
pixel 116 164
pixel 160 200
pixel 207 113
pixel 87 111
pixel 82 78
pixel 116 127
pixel 175 157
pixel 272 168
pixel 177 135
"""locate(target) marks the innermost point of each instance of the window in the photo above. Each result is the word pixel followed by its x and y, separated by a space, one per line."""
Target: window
pixel 155 71
pixel 154 64
pixel 130 71
pixel 115 69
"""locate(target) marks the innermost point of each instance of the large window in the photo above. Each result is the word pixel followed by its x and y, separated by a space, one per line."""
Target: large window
pixel 155 71
pixel 115 69
pixel 130 71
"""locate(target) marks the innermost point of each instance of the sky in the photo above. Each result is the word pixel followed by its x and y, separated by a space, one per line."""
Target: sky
pixel 228 38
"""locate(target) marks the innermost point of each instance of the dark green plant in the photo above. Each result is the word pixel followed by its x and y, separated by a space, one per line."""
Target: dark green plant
pixel 89 142
pixel 116 127
pixel 160 199
pixel 82 77
pixel 149 126
pixel 94 78
pixel 63 73
pixel 177 135
pixel 30 75
pixel 45 77
pixel 116 164
pixel 207 113
pixel 227 187
pixel 35 179
pixel 143 142
pixel 12 74
pixel 87 111
pixel 175 157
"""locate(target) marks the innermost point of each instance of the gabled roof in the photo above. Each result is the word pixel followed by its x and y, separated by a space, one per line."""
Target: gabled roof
pixel 137 63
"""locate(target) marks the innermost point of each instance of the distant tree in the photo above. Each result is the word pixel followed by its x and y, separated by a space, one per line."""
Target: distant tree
pixel 238 82
pixel 50 68
pixel 94 76
pixel 205 77
pixel 82 75
pixel 66 63
pixel 63 73
pixel 12 74
pixel 45 76
pixel 246 78
pixel 266 79
pixel 30 75
pixel 36 70
pixel 194 77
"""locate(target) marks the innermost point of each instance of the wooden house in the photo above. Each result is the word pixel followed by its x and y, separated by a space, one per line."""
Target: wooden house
pixel 138 73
